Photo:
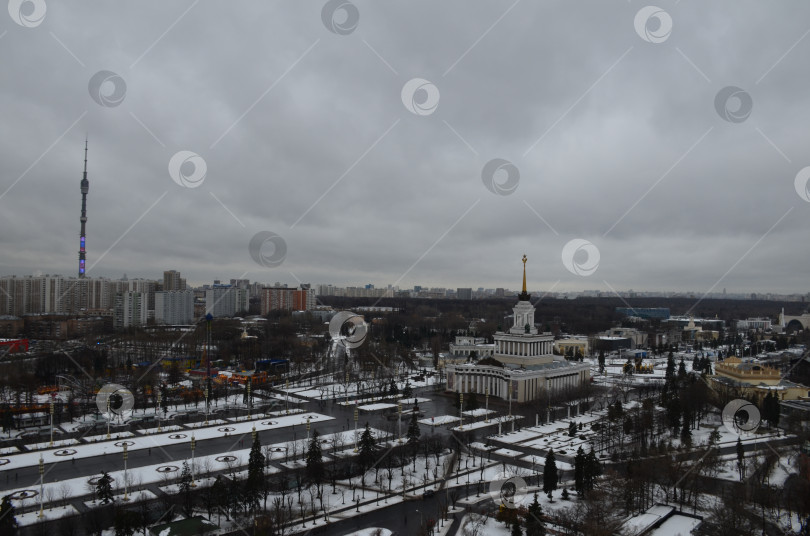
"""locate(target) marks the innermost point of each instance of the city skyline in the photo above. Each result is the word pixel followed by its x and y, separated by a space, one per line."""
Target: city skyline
pixel 618 156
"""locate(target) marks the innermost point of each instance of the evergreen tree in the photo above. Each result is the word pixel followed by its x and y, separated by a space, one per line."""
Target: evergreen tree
pixel 579 471
pixel 367 447
pixel 185 488
pixel 6 418
pixel 670 373
pixel 315 470
pixel 393 390
pixel 516 530
pixel 601 361
pixel 686 434
pixel 104 488
pixel 696 363
pixel 534 519
pixel 770 409
pixel 413 430
pixel 591 472
pixel 674 414
pixel 740 459
pixel 572 429
pixel 255 477
pixel 407 391
pixel 681 370
pixel 8 523
pixel 550 473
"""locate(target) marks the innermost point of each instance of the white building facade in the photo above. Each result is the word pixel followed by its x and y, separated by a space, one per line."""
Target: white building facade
pixel 174 307
pixel 529 369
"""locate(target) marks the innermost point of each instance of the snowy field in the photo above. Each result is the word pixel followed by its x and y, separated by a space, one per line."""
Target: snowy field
pixel 56 455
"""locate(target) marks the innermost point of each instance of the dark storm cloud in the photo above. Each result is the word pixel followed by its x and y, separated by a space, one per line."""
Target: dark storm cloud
pixel 304 133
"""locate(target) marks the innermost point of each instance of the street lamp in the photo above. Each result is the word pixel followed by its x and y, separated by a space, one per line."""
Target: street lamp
pixel 486 399
pixel 287 396
pixel 420 518
pixel 461 410
pixel 193 445
pixel 248 396
pixel 108 416
pixel 159 399
pixel 126 497
pixel 41 486
pixel 510 405
pixel 51 422
pixel 399 406
pixel 205 393
pixel 356 415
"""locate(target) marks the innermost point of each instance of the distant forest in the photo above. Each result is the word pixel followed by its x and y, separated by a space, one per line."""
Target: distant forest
pixel 580 315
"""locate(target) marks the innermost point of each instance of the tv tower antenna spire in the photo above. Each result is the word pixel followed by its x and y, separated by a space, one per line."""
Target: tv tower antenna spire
pixel 85 187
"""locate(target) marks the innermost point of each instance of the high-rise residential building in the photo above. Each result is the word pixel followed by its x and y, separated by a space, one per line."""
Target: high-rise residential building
pixel 464 293
pixel 173 281
pixel 130 310
pixel 225 300
pixel 287 299
pixel 174 307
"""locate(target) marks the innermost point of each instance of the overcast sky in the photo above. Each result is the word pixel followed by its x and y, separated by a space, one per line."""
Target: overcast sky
pixel 357 136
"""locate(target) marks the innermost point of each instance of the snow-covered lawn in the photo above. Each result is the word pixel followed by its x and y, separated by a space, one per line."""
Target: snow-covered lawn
pixel 507 452
pixel 483 424
pixel 642 522
pixel 478 412
pixel 376 407
pixel 29 518
pixel 171 428
pixel 676 525
pixel 56 455
pixel 439 420
pixel 132 497
pixel 488 526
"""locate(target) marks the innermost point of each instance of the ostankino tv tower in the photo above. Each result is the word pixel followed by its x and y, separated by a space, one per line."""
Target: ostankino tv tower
pixel 85 187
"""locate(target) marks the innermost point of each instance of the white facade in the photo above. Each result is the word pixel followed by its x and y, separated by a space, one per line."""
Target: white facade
pixel 225 300
pixel 529 367
pixel 465 345
pixel 174 307
pixel 130 310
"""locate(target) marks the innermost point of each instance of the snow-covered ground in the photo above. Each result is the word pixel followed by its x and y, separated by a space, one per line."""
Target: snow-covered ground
pixel 48 514
pixel 478 412
pixel 495 421
pixel 376 407
pixel 439 420
pixel 676 525
pixel 642 522
pixel 236 430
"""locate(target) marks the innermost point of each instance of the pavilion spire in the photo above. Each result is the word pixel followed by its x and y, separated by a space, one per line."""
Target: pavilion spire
pixel 524 295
